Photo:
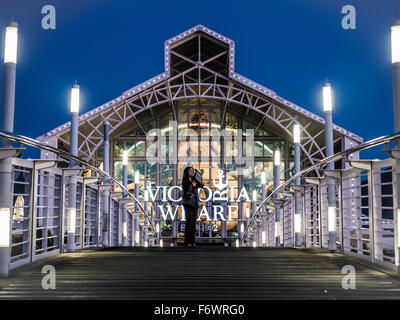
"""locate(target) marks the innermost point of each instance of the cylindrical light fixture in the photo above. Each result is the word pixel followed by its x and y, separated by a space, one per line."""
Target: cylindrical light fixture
pixel 137 234
pixel 146 244
pixel 124 229
pixel 11 43
pixel 296 133
pixel 396 42
pixel 277 157
pixel 157 227
pixel 327 97
pixel 237 243
pixel 74 99
pixel 264 237
pixel 5 220
pixel 254 195
pixel 241 228
pixel 137 177
pixel 247 212
pixel 72 220
pixel 254 244
pixel 263 177
pixel 398 228
pixel 161 243
pixel 297 223
pixel 125 158
pixel 331 219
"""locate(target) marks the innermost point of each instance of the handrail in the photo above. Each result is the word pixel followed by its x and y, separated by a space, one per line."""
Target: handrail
pixel 64 154
pixel 337 156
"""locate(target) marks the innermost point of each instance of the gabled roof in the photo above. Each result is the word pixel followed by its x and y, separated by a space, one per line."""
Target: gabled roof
pixel 181 38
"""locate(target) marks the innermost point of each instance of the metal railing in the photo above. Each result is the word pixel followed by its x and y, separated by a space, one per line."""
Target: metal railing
pixel 365 206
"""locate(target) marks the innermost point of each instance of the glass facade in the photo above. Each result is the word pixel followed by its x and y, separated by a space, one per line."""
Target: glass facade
pixel 198 145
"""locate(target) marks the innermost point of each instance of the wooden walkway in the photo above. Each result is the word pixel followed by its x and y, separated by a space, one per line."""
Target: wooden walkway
pixel 200 273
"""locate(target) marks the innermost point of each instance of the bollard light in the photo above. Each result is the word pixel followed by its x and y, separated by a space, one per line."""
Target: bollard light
pixel 396 42
pixel 5 220
pixel 277 157
pixel 296 133
pixel 75 99
pixel 11 43
pixel 125 158
pixel 72 220
pixel 237 243
pixel 327 97
pixel 241 228
pixel 137 236
pixel 146 195
pixel 297 223
pixel 161 243
pixel 263 177
pixel 254 244
pixel 276 229
pixel 157 227
pixel 146 244
pixel 332 219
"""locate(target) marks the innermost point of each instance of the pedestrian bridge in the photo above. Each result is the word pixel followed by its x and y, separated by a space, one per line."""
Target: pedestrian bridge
pixel 202 272
pixel 251 267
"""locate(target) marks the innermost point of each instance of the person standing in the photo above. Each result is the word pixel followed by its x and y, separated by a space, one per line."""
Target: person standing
pixel 189 185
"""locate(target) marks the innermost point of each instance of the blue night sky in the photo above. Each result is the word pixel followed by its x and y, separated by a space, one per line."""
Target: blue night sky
pixel 289 46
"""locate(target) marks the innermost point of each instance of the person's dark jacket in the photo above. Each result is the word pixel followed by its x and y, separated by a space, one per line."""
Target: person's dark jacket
pixel 186 187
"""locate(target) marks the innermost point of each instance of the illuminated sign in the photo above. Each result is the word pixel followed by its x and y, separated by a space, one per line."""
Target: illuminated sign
pixel 222 193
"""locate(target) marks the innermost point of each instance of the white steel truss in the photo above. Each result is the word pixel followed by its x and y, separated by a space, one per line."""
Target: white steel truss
pixel 193 78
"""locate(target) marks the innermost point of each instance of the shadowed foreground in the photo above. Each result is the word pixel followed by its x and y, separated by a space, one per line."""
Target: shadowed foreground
pixel 200 273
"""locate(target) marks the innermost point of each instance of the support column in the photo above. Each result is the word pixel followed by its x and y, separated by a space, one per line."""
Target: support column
pixel 277 176
pixel 72 164
pixel 298 212
pixel 7 124
pixel 136 205
pixel 106 193
pixel 396 116
pixel 332 224
pixel 124 194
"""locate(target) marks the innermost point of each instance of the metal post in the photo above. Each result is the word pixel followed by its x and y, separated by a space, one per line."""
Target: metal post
pixel 106 193
pixel 136 205
pixel 277 175
pixel 264 195
pixel 7 124
pixel 73 178
pixel 330 166
pixel 396 112
pixel 124 210
pixel 298 212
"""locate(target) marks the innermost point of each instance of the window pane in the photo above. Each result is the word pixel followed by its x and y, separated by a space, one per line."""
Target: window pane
pixel 118 148
pixel 231 123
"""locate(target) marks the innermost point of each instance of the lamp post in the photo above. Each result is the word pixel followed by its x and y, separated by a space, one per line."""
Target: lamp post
pixel 124 210
pixel 297 205
pixel 277 175
pixel 395 37
pixel 106 193
pixel 7 124
pixel 74 108
pixel 327 102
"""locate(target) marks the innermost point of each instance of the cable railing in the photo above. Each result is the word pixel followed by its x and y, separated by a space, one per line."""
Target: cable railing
pixel 369 144
pixel 66 155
